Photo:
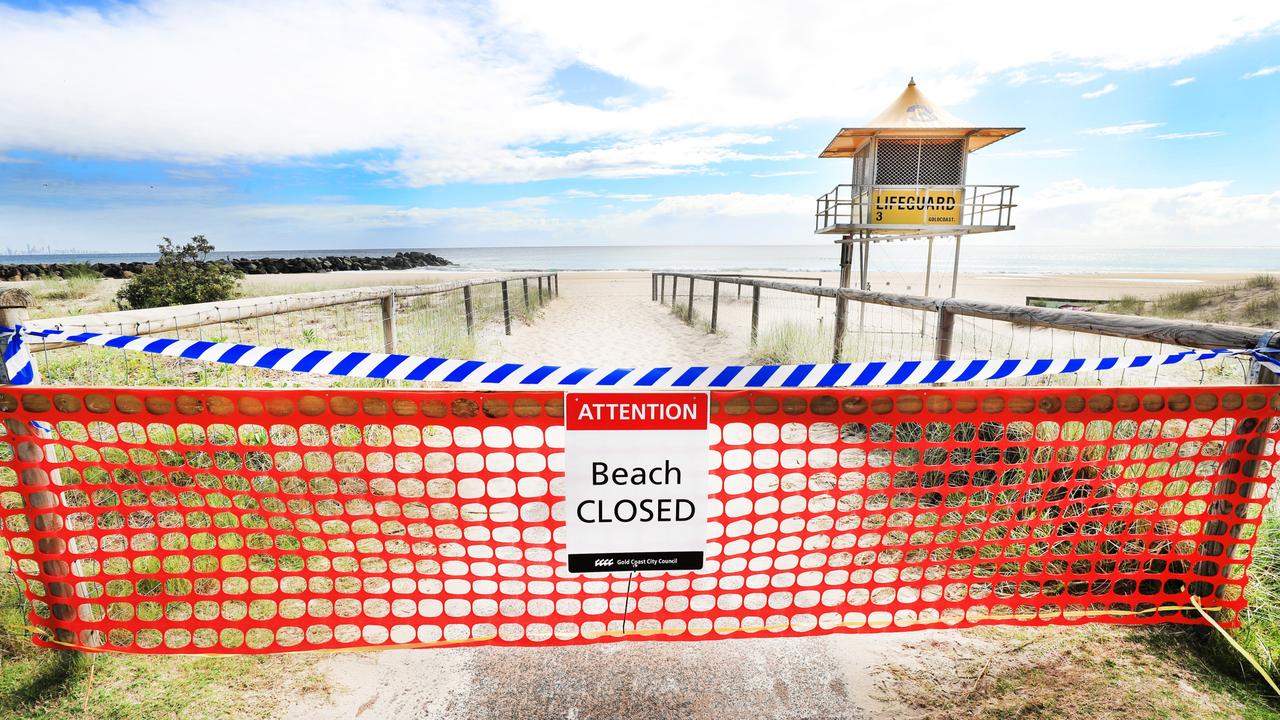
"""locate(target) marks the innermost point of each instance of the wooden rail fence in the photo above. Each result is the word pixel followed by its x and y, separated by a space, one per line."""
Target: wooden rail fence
pixel 1175 332
pixel 14 303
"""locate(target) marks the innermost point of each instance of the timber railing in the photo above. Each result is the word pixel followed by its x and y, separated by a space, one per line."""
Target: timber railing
pixel 676 287
pixel 535 289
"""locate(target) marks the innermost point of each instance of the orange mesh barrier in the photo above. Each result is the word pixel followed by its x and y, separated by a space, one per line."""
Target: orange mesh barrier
pixel 207 520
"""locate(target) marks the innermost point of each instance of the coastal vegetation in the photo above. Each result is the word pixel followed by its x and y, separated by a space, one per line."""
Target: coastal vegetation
pixel 42 684
pixel 791 342
pixel 76 282
pixel 1254 302
pixel 183 275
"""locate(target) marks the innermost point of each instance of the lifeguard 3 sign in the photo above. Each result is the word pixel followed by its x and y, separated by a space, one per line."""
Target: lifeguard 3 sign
pixel 916 206
pixel 636 469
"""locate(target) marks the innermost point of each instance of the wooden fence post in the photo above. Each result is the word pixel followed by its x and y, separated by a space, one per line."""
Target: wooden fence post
pixel 539 291
pixel 13 312
pixel 755 313
pixel 662 287
pixel 675 283
pixel 653 282
pixel 946 328
pixel 506 309
pixel 388 303
pixel 525 283
pixel 715 303
pixel 466 307
pixel 842 303
pixel 688 315
pixel 1259 375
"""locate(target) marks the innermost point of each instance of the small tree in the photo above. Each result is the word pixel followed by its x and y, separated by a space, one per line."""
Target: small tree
pixel 181 276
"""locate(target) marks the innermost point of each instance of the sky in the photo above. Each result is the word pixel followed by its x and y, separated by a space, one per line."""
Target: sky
pixel 305 124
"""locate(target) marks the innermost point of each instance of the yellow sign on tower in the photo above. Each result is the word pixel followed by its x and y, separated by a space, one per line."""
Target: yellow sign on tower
pixel 916 206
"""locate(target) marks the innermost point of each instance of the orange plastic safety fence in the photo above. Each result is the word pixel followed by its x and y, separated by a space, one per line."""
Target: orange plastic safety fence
pixel 181 521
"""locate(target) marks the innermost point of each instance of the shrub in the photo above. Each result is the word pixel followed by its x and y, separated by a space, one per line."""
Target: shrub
pixel 181 276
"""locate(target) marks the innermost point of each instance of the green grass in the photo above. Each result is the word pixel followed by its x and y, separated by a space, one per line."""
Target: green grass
pixel 1126 305
pixel 1259 631
pixel 1182 302
pixel 789 343
pixel 43 684
pixel 1262 282
pixel 73 287
pixel 1262 311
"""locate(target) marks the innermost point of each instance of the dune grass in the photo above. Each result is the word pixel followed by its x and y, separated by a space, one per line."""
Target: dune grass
pixel 1254 301
pixel 77 282
pixel 788 343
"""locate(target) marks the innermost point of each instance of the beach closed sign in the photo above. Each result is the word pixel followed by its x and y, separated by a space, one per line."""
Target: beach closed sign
pixel 636 468
pixel 916 206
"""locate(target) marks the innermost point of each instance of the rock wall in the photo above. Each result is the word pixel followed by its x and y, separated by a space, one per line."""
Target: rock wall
pixel 258 266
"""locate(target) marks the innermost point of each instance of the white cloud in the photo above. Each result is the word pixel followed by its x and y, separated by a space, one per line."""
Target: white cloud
pixel 1125 129
pixel 628 159
pixel 1262 72
pixel 1043 154
pixel 453 92
pixel 727 217
pixel 1190 135
pixel 625 197
pixel 1076 78
pixel 784 173
pixel 10 160
pixel 1074 211
pixel 1182 81
pixel 1104 90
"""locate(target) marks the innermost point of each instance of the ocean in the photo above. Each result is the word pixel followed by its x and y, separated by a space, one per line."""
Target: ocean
pixel 977 255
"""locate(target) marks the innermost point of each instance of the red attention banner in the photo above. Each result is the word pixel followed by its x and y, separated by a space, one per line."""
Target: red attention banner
pixel 188 521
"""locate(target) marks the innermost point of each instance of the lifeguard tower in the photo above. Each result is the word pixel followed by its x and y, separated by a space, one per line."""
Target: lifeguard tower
pixel 908 181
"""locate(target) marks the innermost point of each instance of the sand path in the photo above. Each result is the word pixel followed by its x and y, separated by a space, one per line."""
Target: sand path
pixel 606 320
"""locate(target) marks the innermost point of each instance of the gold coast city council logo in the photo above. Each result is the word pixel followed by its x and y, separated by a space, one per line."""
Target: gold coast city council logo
pixel 921 114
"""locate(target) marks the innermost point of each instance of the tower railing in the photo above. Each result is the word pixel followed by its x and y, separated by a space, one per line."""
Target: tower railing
pixel 977 208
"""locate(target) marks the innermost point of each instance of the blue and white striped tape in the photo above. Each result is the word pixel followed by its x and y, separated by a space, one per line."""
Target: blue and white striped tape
pixel 499 374
pixel 18 365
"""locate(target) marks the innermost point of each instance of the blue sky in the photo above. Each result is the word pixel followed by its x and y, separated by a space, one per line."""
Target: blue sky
pixel 362 124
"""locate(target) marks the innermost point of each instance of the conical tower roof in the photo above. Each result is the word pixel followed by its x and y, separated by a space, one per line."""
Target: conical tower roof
pixel 913 110
pixel 912 115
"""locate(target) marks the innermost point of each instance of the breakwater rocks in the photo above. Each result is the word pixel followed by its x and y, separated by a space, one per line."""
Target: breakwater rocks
pixel 249 266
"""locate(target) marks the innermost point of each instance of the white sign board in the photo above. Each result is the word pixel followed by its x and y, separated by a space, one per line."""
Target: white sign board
pixel 636 480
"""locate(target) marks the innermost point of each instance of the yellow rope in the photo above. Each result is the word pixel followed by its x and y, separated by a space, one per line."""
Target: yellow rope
pixel 1244 653
pixel 1068 614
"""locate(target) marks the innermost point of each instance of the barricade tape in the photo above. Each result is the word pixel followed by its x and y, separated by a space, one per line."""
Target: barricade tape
pixel 384 366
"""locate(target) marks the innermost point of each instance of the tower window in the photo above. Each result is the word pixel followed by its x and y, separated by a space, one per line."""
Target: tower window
pixel 920 162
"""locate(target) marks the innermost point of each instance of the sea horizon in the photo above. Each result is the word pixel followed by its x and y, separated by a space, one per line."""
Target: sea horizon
pixel 976 257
